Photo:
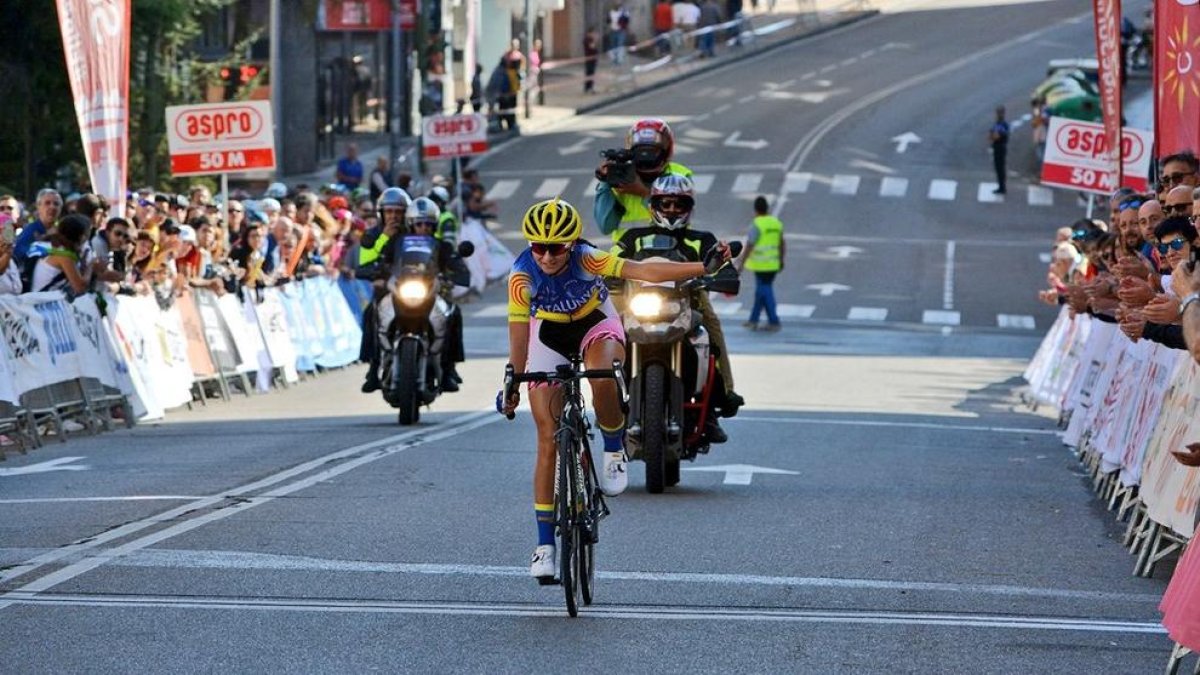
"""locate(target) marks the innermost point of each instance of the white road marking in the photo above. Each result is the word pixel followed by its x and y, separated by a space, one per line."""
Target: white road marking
pixel 60 464
pixel 491 310
pixel 249 498
pixel 703 182
pixel 247 560
pixel 797 182
pixel 722 108
pixel 942 189
pixel 747 182
pixel 941 317
pixel 747 99
pixel 867 314
pixel 893 186
pixel 844 252
pixel 128 498
pixel 740 474
pixel 726 308
pixel 1015 321
pixel 850 61
pixel 809 75
pixel 828 68
pixel 590 190
pixel 844 185
pixel 790 311
pixel 948 279
pixel 551 187
pixel 986 196
pixel 624 613
pixel 935 426
pixel 1039 195
pixel 1045 257
pixel 503 189
pixel 828 288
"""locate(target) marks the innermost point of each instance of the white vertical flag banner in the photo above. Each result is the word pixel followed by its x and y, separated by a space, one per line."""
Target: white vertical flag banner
pixel 96 36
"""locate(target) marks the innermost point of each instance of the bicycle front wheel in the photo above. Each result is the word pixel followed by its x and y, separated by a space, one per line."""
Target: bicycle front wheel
pixel 568 522
pixel 589 529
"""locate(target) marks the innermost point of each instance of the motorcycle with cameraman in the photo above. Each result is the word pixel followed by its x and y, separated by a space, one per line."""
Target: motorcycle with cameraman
pixel 676 390
pixel 623 202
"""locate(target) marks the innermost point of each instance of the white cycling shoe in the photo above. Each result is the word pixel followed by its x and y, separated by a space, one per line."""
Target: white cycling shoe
pixel 615 476
pixel 543 562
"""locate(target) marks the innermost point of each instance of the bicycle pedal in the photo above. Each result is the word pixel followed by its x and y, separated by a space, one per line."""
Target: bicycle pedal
pixel 549 581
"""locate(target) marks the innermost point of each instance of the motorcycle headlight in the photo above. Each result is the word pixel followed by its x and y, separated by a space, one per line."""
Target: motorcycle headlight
pixel 646 305
pixel 413 292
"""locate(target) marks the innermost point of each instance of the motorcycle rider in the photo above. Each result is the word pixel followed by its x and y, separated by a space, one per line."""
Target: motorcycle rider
pixel 619 207
pixel 558 305
pixel 672 200
pixel 424 218
pixel 373 265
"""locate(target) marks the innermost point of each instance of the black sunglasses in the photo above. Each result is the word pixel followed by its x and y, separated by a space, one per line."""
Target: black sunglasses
pixel 1173 245
pixel 540 249
pixel 1173 178
pixel 1178 209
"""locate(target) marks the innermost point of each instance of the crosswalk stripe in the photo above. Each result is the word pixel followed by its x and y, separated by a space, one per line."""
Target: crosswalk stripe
pixel 893 186
pixel 590 190
pixel 703 182
pixel 867 314
pixel 747 182
pixel 1040 196
pixel 1015 321
pixel 844 185
pixel 726 308
pixel 492 310
pixel 942 317
pixel 789 311
pixel 797 181
pixel 986 194
pixel 551 187
pixel 1045 257
pixel 942 189
pixel 503 189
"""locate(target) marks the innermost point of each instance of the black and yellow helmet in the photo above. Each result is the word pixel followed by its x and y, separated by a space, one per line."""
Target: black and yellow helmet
pixel 553 221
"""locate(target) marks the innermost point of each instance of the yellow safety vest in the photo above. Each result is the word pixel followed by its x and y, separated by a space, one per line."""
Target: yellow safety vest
pixel 765 255
pixel 636 210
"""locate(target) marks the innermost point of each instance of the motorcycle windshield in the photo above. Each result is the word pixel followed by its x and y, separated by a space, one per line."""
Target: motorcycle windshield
pixel 415 255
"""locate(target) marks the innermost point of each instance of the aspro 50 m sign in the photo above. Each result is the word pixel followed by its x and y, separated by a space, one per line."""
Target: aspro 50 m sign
pixel 454 135
pixel 1077 157
pixel 221 137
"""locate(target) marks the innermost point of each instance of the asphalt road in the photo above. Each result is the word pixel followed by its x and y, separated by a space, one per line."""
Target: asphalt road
pixel 912 518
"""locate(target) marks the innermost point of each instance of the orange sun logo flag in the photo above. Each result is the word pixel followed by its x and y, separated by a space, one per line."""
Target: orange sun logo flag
pixel 1177 124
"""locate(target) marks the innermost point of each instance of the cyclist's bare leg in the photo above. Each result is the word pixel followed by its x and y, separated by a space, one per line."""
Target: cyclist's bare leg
pixel 601 354
pixel 546 403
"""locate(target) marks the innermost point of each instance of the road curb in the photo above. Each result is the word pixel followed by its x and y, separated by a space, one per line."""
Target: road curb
pixel 637 91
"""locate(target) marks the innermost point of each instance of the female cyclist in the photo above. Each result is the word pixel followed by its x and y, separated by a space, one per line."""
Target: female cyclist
pixel 558 306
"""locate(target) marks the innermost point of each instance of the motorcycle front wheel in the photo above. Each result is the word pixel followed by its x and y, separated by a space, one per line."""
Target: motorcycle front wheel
pixel 408 359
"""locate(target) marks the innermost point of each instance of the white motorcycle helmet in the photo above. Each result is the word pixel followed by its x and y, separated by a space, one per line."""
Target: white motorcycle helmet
pixel 670 189
pixel 423 210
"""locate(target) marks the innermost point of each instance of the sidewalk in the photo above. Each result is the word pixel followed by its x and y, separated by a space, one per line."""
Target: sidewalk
pixel 643 69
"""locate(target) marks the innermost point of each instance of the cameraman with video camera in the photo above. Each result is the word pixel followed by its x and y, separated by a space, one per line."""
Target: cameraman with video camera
pixel 623 203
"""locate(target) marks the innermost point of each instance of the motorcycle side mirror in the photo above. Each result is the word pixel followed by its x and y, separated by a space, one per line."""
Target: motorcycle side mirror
pixel 465 249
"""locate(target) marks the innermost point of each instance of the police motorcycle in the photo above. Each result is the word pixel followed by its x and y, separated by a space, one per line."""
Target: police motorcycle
pixel 414 313
pixel 672 368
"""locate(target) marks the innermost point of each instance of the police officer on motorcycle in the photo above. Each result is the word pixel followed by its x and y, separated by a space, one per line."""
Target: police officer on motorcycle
pixel 425 218
pixel 447 225
pixel 672 199
pixel 373 265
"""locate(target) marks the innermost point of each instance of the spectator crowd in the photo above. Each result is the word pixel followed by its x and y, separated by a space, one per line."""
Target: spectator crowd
pixel 167 243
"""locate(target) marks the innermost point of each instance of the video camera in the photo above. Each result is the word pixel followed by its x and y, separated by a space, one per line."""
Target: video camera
pixel 620 170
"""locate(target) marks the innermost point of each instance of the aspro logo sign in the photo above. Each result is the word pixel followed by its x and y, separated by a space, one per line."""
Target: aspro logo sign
pixel 1078 157
pixel 454 135
pixel 221 138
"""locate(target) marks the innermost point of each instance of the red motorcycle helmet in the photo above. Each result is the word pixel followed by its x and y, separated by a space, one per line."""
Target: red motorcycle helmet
pixel 652 144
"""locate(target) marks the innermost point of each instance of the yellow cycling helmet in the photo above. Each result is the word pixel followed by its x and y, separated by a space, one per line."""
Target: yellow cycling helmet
pixel 553 221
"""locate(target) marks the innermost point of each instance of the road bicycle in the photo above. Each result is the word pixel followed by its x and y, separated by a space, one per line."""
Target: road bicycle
pixel 579 504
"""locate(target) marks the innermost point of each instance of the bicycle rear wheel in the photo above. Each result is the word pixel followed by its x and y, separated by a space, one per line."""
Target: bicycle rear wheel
pixel 568 523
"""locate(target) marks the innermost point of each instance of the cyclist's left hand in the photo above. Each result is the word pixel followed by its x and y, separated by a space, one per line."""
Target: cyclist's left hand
pixel 508 407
